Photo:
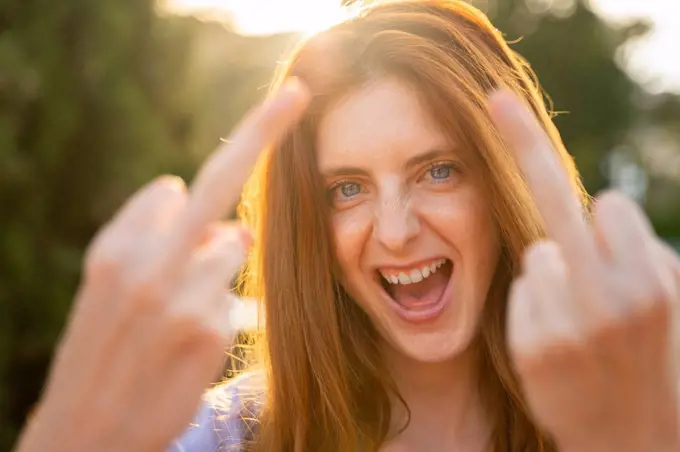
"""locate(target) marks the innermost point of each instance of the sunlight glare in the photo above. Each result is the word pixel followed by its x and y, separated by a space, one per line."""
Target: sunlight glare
pixel 649 59
pixel 262 17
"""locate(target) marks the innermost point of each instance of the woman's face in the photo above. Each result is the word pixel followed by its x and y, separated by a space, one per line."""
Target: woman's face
pixel 414 234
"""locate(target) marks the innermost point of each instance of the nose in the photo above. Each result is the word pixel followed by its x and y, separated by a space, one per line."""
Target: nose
pixel 396 224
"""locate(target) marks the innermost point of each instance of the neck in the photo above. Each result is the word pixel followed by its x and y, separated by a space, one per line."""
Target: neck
pixel 444 401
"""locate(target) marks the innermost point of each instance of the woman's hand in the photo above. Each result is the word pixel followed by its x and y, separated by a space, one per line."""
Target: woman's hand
pixel 151 318
pixel 590 317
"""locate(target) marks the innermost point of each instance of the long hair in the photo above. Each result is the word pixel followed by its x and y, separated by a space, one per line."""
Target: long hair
pixel 327 387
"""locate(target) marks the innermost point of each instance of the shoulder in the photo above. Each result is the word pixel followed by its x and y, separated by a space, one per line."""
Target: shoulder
pixel 222 421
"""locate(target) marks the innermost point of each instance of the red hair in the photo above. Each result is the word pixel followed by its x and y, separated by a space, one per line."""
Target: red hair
pixel 327 387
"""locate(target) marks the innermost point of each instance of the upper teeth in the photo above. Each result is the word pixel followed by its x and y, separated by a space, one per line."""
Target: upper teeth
pixel 414 275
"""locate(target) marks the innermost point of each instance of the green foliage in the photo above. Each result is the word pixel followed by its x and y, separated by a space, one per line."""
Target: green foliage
pixel 97 98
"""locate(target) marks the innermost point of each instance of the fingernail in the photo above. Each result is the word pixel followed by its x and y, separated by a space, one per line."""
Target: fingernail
pixel 172 182
pixel 293 90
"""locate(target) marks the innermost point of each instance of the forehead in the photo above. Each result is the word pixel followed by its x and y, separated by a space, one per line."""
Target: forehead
pixel 380 122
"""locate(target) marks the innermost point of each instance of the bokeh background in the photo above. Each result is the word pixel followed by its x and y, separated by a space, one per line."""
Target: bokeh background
pixel 98 97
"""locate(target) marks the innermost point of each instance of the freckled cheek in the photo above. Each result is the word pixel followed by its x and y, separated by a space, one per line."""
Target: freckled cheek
pixel 448 213
pixel 464 221
pixel 351 229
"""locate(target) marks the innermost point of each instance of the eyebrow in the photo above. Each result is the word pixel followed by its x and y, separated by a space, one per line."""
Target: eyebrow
pixel 414 161
pixel 426 157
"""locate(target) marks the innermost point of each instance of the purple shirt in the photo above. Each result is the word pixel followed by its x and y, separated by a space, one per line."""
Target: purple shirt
pixel 218 425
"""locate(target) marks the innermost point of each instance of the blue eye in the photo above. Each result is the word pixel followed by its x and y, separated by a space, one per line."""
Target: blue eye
pixel 350 189
pixel 344 191
pixel 440 172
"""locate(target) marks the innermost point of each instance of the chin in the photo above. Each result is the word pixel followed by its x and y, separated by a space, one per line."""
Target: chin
pixel 432 346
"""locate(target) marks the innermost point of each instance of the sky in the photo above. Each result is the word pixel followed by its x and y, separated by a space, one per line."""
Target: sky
pixel 655 60
pixel 650 61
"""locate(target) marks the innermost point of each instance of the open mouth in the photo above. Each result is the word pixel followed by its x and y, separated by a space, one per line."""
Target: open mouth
pixel 418 293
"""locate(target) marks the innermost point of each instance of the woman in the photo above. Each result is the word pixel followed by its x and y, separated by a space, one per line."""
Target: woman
pixel 416 174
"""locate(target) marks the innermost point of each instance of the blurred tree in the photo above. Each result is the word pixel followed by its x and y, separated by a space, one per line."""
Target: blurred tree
pixel 666 111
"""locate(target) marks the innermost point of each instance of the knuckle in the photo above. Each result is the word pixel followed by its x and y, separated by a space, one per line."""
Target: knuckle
pixel 104 263
pixel 143 295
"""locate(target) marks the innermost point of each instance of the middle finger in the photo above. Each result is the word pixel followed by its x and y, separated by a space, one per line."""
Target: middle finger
pixel 217 187
pixel 550 187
